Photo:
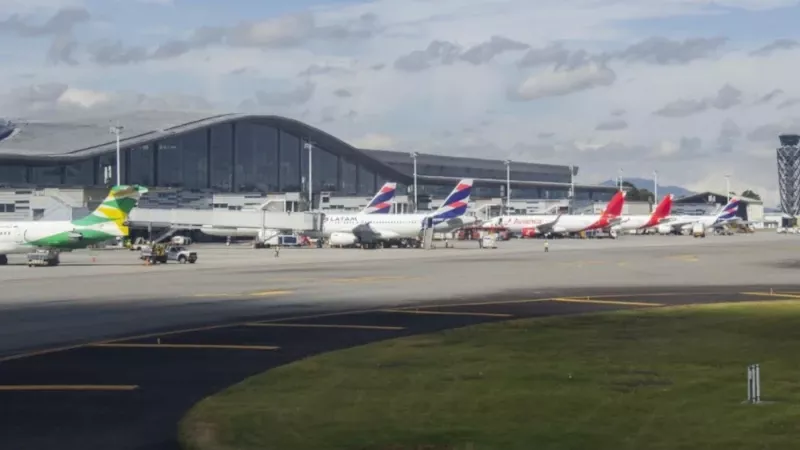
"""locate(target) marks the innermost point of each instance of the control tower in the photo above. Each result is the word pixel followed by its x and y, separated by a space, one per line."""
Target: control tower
pixel 789 174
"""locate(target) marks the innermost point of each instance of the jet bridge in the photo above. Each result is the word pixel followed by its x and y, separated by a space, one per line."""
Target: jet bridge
pixel 192 219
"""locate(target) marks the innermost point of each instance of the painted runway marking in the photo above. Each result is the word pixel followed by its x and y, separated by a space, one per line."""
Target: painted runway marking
pixel 489 303
pixel 604 302
pixel 202 346
pixel 67 387
pixel 268 293
pixel 374 279
pixel 246 294
pixel 318 325
pixel 445 313
pixel 685 258
pixel 779 295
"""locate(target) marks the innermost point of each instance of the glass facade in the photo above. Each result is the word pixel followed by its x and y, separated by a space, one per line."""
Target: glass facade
pixel 257 156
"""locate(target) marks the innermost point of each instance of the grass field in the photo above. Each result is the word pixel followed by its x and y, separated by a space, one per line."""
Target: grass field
pixel 663 379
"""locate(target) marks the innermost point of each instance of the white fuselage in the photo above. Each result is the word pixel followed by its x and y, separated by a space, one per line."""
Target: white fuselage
pixel 566 223
pixel 17 237
pixel 686 222
pixel 634 222
pixel 391 226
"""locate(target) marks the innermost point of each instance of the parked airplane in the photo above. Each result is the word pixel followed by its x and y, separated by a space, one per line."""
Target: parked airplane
pixel 381 203
pixel 535 225
pixel 107 222
pixel 370 230
pixel 727 216
pixel 645 221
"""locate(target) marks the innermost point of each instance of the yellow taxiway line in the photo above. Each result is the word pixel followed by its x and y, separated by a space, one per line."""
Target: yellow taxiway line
pixel 317 325
pixel 603 302
pixel 67 387
pixel 445 313
pixel 202 346
pixel 773 294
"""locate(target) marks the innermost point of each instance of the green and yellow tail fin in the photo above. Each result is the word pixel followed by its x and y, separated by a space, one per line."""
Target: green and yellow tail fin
pixel 115 208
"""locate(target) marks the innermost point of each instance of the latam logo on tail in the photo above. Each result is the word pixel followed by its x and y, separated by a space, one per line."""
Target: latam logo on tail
pixel 455 205
pixel 382 202
pixel 729 211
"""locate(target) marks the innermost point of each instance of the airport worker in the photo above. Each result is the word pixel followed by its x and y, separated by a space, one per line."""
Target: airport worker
pixel 546 246
pixel 277 250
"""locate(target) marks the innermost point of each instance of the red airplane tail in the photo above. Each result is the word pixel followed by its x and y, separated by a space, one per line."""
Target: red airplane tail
pixel 614 207
pixel 663 209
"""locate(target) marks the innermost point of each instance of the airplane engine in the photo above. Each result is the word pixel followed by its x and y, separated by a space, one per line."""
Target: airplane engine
pixel 343 239
pixel 664 229
pixel 528 232
pixel 74 236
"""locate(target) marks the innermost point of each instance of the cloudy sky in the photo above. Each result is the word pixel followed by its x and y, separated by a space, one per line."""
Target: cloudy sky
pixel 695 89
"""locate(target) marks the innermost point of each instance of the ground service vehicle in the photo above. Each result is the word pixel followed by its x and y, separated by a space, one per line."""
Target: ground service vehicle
pixel 698 230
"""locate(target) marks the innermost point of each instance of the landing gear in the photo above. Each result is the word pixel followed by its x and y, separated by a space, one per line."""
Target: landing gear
pixel 3 260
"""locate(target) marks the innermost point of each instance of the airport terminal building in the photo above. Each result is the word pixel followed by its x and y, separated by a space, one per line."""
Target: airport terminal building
pixel 192 160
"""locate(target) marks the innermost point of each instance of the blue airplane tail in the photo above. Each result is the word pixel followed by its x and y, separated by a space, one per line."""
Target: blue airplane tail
pixel 382 202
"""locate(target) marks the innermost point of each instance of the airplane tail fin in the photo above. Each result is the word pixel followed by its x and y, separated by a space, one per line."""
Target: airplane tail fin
pixel 381 203
pixel 729 211
pixel 663 209
pixel 115 208
pixel 456 203
pixel 614 207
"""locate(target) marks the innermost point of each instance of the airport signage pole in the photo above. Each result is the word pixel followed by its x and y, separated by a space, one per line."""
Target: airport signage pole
pixel 117 130
pixel 754 383
pixel 508 184
pixel 414 157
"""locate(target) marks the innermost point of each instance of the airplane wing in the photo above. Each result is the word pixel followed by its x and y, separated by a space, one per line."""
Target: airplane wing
pixel 544 228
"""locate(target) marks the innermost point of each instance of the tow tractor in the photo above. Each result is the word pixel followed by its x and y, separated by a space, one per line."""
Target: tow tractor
pixel 160 253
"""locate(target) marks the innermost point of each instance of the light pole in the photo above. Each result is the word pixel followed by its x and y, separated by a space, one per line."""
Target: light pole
pixel 655 186
pixel 571 187
pixel 309 145
pixel 414 157
pixel 728 188
pixel 619 178
pixel 508 184
pixel 116 130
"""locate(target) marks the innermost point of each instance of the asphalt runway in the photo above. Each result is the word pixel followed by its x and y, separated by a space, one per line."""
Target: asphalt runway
pixel 110 353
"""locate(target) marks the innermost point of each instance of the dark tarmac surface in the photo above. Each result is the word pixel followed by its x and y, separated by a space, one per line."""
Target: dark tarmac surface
pixel 131 392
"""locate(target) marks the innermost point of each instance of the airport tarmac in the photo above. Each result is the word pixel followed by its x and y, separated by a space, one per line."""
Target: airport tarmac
pixel 130 393
pixel 116 294
pixel 109 353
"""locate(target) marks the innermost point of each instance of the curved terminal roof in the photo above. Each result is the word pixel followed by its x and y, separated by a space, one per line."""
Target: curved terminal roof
pixel 48 142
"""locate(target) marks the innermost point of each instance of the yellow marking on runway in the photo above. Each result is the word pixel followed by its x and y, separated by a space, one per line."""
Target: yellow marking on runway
pixel 772 294
pixel 269 293
pixel 182 331
pixel 603 302
pixel 210 346
pixel 457 305
pixel 445 313
pixel 317 325
pixel 67 387
pixel 371 279
pixel 582 263
pixel 685 258
pixel 246 294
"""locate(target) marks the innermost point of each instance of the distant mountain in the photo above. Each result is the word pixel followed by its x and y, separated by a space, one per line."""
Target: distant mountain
pixel 677 191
